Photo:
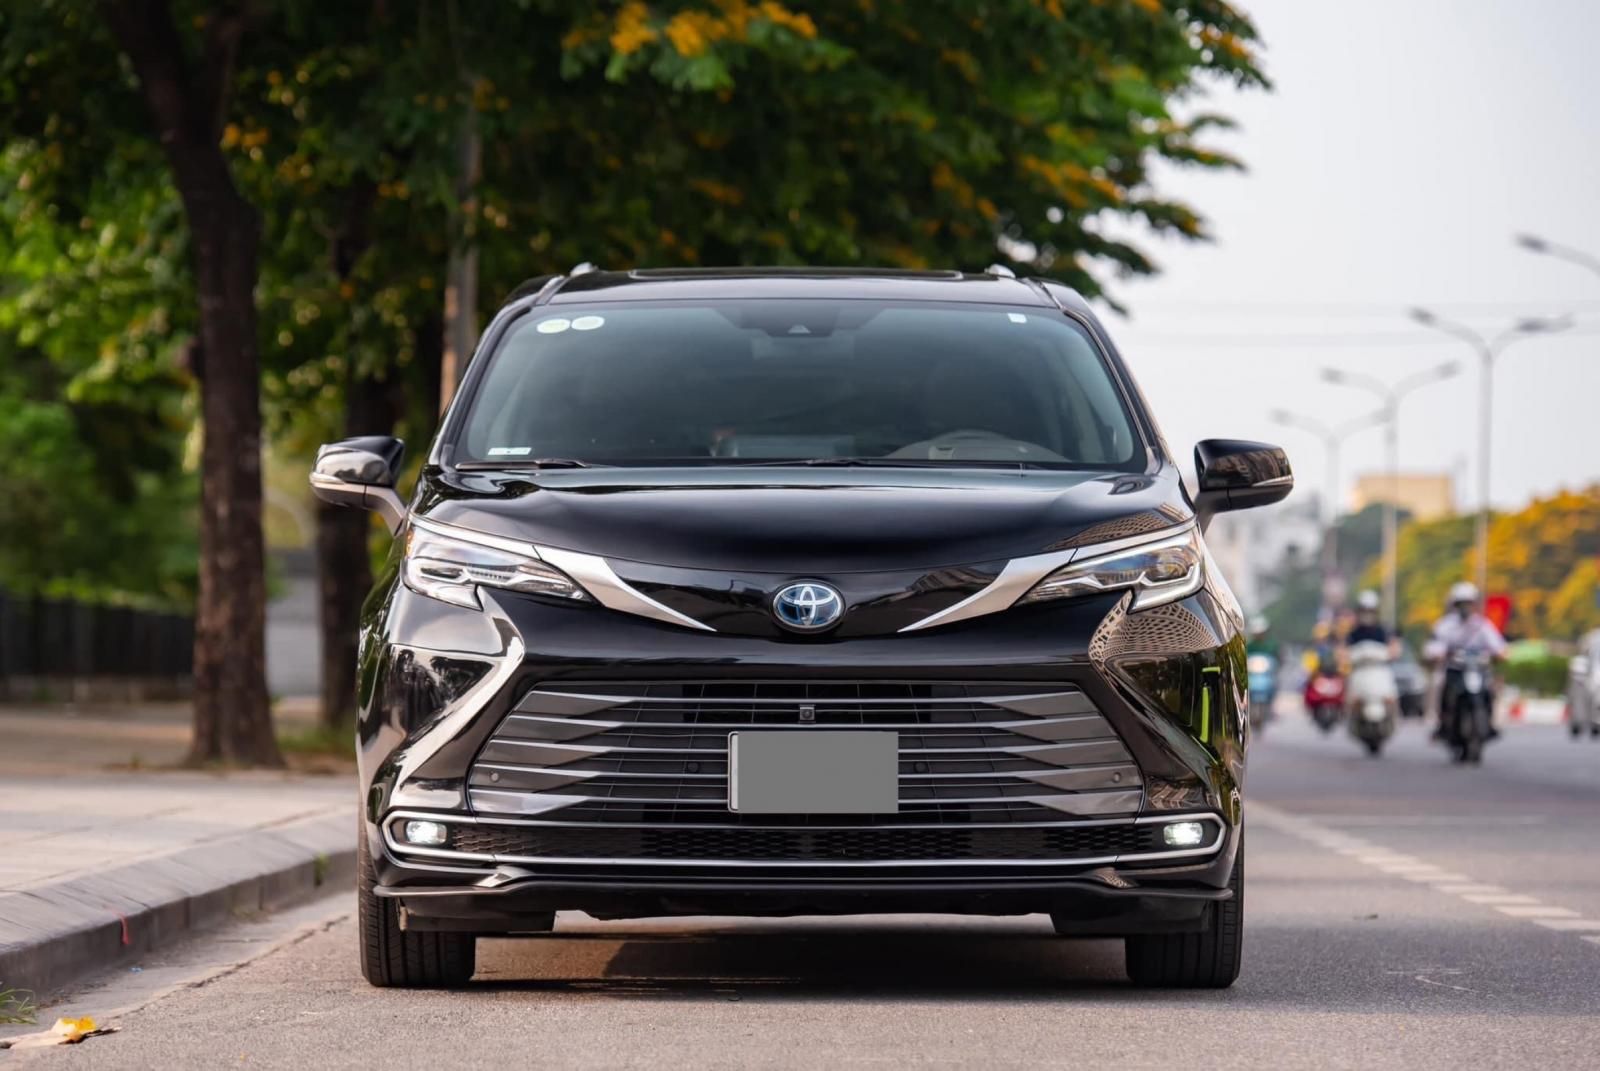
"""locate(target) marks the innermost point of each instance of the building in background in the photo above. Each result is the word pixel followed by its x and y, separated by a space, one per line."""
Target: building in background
pixel 1253 545
pixel 1427 496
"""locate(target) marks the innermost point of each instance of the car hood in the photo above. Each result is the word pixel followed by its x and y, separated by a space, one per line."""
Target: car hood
pixel 805 521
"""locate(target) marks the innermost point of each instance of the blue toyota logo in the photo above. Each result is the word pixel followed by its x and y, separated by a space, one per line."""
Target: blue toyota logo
pixel 807 606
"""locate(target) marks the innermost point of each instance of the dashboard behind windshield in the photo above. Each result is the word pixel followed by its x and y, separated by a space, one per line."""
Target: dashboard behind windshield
pixel 762 380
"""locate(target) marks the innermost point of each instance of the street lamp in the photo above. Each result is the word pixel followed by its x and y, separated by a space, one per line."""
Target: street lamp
pixel 1535 244
pixel 1332 440
pixel 1391 394
pixel 1488 349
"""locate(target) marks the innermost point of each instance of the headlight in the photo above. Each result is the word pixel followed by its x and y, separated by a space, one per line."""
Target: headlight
pixel 1157 572
pixel 449 565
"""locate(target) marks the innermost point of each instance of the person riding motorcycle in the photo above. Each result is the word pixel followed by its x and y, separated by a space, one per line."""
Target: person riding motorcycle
pixel 1372 696
pixel 1368 626
pixel 1462 628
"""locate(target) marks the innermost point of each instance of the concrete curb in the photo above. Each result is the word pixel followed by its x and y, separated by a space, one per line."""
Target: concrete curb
pixel 54 933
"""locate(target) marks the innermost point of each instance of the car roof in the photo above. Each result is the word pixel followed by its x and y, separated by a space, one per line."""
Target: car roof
pixel 665 284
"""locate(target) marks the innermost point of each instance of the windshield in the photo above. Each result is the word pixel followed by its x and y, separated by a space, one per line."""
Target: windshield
pixel 784 381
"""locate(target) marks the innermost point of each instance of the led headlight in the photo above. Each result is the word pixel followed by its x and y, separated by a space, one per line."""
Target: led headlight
pixel 450 564
pixel 1161 571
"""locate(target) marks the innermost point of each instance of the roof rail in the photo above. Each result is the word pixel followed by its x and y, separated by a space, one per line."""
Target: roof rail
pixel 1000 269
pixel 529 286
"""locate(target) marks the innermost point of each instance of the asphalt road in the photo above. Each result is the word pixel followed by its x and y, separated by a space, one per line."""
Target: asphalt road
pixel 1400 913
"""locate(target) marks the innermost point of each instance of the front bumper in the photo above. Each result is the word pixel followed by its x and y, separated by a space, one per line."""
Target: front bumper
pixel 440 683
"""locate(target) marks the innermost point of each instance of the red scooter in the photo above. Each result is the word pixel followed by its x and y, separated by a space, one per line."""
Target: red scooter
pixel 1324 698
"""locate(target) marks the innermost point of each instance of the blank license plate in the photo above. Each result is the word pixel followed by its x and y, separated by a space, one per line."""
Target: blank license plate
pixel 816 772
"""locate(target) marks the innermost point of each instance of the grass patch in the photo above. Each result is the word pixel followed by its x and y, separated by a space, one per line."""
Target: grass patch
pixel 321 741
pixel 319 750
pixel 17 1006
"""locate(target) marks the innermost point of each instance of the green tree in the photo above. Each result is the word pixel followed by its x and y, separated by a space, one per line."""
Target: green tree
pixel 939 133
pixel 94 413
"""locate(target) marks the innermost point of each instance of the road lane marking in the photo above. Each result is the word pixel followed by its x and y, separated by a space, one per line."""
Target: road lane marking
pixel 1537 911
pixel 1436 877
pixel 1457 890
pixel 1410 868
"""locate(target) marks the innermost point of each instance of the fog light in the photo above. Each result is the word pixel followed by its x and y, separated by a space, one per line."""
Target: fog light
pixel 430 834
pixel 1179 834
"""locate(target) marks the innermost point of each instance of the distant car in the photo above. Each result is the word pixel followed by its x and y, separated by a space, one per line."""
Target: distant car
pixel 1412 681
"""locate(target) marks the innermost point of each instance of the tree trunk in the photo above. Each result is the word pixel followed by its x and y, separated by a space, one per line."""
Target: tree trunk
pixel 344 566
pixel 188 102
pixel 461 270
pixel 232 718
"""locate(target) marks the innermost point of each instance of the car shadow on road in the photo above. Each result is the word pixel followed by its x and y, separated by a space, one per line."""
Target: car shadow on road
pixel 890 964
pixel 1379 969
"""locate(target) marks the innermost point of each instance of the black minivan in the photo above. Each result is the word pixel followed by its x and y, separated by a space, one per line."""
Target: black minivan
pixel 801 591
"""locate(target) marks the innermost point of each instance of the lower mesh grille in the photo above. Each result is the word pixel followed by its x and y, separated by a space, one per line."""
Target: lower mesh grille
pixel 807 845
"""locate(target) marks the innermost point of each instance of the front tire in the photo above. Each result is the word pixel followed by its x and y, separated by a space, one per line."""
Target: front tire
pixel 1205 960
pixel 392 957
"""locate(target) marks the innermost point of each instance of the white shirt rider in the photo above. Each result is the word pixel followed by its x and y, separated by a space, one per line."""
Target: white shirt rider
pixel 1468 632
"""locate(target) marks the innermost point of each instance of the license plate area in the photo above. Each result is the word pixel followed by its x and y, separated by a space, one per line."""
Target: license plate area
pixel 813 772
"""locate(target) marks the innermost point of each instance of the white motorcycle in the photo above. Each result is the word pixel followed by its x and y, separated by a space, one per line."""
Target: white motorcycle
pixel 1371 696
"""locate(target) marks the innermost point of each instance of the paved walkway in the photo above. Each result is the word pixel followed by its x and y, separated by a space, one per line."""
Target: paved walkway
pixel 53 829
pixel 105 855
pixel 87 738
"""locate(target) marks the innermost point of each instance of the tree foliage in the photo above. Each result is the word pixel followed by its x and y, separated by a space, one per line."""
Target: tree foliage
pixel 935 133
pixel 1543 556
pixel 94 408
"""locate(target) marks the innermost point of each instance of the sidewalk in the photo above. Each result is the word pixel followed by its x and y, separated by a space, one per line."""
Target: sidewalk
pixel 99 862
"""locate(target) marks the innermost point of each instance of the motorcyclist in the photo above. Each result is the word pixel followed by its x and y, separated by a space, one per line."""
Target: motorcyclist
pixel 1462 628
pixel 1368 627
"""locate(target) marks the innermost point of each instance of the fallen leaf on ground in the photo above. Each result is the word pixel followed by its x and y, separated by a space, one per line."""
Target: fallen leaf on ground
pixel 64 1032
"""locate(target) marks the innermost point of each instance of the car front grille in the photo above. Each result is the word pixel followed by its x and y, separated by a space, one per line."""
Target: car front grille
pixel 985 771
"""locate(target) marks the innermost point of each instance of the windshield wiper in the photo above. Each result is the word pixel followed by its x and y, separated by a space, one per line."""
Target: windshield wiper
pixel 525 463
pixel 889 463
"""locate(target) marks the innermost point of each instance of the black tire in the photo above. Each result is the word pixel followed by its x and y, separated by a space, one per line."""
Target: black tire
pixel 1374 746
pixel 1594 730
pixel 1575 730
pixel 1208 959
pixel 392 957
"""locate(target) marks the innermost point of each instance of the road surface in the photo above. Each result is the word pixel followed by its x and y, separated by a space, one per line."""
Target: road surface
pixel 1400 913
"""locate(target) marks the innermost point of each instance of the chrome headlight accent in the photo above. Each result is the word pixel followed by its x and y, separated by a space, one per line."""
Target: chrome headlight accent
pixel 1157 572
pixel 449 564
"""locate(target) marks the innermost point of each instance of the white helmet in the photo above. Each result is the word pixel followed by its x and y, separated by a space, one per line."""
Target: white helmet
pixel 1367 600
pixel 1463 592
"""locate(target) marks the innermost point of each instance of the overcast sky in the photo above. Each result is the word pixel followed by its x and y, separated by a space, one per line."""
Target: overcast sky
pixel 1403 145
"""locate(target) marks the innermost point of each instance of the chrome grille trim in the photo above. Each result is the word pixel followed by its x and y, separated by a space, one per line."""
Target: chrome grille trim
pixel 972 755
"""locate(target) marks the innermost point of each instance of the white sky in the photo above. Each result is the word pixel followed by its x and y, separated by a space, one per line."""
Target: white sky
pixel 1404 143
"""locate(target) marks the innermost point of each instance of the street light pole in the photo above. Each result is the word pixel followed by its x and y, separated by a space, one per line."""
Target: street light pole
pixel 1535 244
pixel 1391 394
pixel 1487 350
pixel 1332 440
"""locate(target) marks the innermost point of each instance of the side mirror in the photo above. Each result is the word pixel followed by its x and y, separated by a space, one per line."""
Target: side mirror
pixel 361 472
pixel 1237 474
